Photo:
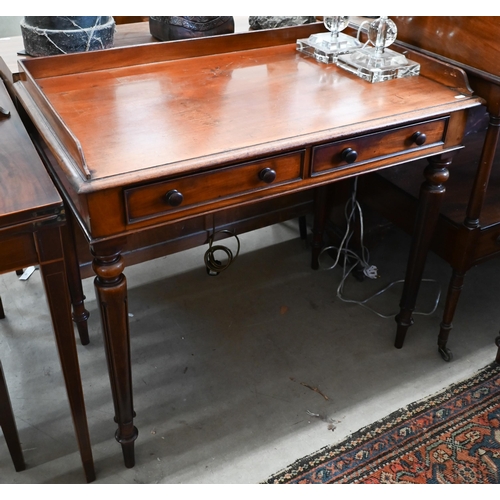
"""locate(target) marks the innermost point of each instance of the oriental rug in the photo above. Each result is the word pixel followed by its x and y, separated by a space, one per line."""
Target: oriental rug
pixel 452 437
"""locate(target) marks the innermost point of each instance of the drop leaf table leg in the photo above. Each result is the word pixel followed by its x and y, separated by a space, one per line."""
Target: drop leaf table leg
pixel 53 272
pixel 8 425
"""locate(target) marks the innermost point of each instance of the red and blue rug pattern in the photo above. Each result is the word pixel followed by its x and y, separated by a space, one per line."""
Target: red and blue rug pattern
pixel 452 437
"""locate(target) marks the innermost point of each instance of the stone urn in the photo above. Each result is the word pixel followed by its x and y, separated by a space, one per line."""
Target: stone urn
pixel 180 27
pixel 270 22
pixel 51 35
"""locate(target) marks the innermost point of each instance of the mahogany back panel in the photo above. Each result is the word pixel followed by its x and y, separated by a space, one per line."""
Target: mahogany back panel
pixel 472 41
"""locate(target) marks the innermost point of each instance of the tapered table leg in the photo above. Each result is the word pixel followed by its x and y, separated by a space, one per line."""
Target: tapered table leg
pixel 53 271
pixel 111 291
pixel 431 193
pixel 8 425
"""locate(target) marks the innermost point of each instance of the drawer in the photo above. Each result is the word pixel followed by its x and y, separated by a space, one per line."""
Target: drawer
pixel 214 187
pixel 377 146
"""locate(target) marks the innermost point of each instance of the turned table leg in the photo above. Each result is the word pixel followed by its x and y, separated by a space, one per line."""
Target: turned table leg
pixel 319 222
pixel 111 291
pixel 80 314
pixel 454 290
pixel 431 194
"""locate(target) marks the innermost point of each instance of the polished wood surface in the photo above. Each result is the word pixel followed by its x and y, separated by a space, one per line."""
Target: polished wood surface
pixel 169 96
pixel 469 222
pixel 31 232
pixel 155 147
pixel 130 19
pixel 468 40
pixel 18 208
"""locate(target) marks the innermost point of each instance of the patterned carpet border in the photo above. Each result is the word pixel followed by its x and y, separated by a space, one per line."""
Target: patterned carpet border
pixel 383 443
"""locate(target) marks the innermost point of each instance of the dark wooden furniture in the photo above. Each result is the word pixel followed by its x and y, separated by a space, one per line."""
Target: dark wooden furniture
pixel 156 146
pixel 32 225
pixel 8 425
pixel 468 227
pixel 130 19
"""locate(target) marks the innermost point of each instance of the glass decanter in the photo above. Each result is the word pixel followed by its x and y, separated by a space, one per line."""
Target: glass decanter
pixel 378 63
pixel 326 47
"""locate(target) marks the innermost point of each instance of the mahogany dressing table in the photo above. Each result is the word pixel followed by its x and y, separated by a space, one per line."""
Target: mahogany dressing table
pixel 32 222
pixel 156 146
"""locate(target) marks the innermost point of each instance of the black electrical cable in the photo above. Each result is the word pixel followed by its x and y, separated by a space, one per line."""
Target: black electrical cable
pixel 213 265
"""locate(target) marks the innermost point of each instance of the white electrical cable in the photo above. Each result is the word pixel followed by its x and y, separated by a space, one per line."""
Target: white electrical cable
pixel 369 271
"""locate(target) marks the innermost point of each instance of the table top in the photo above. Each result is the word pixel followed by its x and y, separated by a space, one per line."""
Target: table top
pixel 127 126
pixel 164 109
pixel 26 192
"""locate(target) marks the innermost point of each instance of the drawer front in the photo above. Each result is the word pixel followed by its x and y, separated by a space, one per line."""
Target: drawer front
pixel 212 187
pixel 373 147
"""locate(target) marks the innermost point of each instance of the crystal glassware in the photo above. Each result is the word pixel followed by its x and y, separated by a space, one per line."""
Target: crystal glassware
pixel 378 63
pixel 326 47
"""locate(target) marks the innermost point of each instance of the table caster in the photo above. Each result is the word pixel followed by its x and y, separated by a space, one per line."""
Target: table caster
pixel 445 353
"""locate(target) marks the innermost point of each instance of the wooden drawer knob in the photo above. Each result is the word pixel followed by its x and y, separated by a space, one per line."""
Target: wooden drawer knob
pixel 267 175
pixel 419 138
pixel 349 155
pixel 174 198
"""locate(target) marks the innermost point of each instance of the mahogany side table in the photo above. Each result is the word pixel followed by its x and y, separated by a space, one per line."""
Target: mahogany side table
pixel 155 146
